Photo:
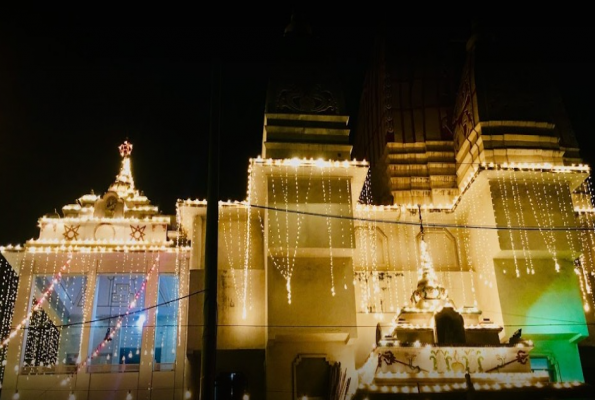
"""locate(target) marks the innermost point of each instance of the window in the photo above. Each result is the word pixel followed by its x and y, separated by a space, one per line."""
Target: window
pixel 543 363
pixel 166 322
pixel 114 303
pixel 53 336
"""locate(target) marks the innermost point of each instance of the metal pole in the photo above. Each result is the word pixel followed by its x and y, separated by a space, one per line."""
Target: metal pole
pixel 209 337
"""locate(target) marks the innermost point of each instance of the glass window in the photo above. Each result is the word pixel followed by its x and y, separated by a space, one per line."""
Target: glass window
pixel 53 335
pixel 114 297
pixel 166 322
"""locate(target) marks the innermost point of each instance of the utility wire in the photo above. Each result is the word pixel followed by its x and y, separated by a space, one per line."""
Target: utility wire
pixel 434 225
pixel 562 322
pixel 140 310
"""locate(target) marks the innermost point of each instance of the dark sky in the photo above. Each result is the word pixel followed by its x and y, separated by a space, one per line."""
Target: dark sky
pixel 70 96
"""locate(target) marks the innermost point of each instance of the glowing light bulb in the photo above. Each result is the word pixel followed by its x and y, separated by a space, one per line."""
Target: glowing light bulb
pixel 141 320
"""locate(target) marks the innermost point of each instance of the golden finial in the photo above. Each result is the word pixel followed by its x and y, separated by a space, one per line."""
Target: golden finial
pixel 125 148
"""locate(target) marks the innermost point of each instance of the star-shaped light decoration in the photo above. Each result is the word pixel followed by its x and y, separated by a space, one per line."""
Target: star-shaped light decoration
pixel 71 232
pixel 137 232
pixel 125 149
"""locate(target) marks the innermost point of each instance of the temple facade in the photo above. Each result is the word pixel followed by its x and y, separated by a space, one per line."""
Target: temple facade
pixel 449 253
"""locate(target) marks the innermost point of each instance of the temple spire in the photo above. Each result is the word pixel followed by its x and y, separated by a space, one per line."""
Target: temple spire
pixel 124 184
pixel 429 291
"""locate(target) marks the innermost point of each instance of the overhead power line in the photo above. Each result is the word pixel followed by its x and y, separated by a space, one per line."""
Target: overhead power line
pixel 141 310
pixel 427 224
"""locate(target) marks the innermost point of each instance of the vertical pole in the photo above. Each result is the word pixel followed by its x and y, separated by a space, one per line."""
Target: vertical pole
pixel 209 336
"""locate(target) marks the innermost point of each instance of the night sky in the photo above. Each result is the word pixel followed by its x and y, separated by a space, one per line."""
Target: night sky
pixel 70 96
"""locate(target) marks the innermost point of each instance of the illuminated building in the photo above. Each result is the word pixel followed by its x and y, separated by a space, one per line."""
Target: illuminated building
pixel 316 284
pixel 82 304
pixel 478 141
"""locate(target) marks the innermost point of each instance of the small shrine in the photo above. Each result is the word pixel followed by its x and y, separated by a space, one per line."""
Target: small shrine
pixel 432 346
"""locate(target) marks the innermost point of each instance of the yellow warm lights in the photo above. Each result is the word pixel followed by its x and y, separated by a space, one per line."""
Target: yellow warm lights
pixel 460 385
pixel 103 249
pixel 39 303
pixel 138 199
pixel 449 207
pixel 91 198
pixel 120 318
pixel 10 247
pixel 372 207
pixel 94 242
pixel 309 162
pixel 538 167
pixel 192 202
pixel 105 219
pixel 141 208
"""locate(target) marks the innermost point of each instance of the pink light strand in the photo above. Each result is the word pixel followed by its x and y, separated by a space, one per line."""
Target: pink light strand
pixel 37 306
pixel 113 332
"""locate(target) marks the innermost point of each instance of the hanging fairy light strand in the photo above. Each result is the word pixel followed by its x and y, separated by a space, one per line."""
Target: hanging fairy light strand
pixel 461 262
pixel 286 269
pixel 426 266
pixel 548 237
pixel 376 292
pixel 121 317
pixel 504 198
pixel 343 205
pixel 588 239
pixel 583 282
pixel 520 217
pixel 236 252
pixel 365 254
pixel 327 205
pixel 227 227
pixel 484 271
pixel 283 268
pixel 8 294
pixel 567 213
pixel 39 303
pixel 246 264
pixel 248 246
